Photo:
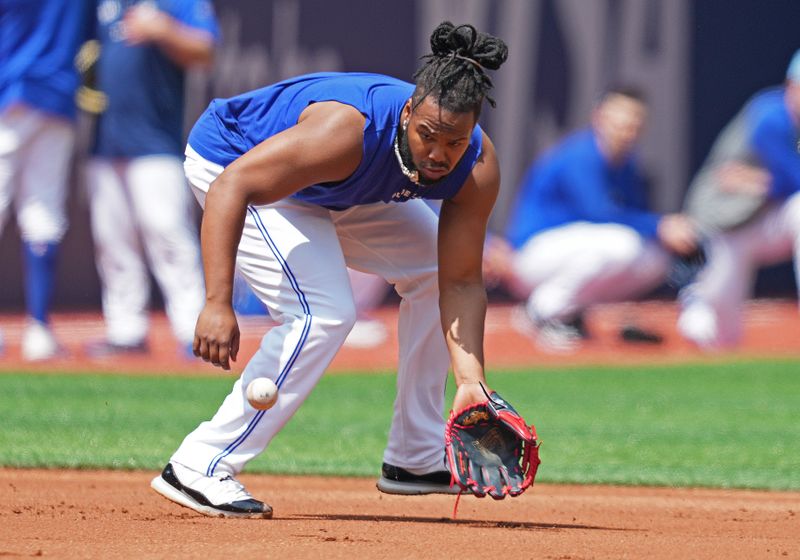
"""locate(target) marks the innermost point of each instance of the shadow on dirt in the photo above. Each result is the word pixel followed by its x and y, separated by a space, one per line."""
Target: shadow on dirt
pixel 477 523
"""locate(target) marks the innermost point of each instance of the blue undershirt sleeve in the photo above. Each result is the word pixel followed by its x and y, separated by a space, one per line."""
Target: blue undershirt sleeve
pixel 776 147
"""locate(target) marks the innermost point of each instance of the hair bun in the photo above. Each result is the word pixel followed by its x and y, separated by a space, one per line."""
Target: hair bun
pixel 464 40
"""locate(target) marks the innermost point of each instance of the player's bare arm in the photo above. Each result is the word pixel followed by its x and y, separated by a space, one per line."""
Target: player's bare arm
pixel 325 145
pixel 462 231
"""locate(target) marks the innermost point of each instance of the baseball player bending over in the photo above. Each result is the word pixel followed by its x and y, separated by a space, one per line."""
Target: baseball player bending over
pixel 747 199
pixel 305 177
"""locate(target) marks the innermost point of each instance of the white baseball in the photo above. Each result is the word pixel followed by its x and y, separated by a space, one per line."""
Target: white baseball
pixel 262 393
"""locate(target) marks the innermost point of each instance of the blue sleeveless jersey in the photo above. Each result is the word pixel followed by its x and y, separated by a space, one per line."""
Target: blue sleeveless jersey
pixel 231 127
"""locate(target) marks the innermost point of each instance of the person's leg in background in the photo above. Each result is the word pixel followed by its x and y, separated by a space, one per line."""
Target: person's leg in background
pixel 47 145
pixel 570 268
pixel 121 266
pixel 791 221
pixel 162 205
pixel 712 307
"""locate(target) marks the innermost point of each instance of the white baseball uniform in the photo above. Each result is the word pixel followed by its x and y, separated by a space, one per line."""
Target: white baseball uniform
pixel 294 256
pixel 295 253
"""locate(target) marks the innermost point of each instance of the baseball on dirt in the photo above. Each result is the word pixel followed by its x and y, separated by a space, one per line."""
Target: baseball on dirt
pixel 262 393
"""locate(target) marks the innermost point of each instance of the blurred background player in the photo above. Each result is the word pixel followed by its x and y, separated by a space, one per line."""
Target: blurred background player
pixel 38 43
pixel 745 198
pixel 581 233
pixel 141 208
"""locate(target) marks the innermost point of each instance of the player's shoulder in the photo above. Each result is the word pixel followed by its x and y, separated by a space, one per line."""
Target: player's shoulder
pixel 487 154
pixel 199 14
pixel 333 115
pixel 767 108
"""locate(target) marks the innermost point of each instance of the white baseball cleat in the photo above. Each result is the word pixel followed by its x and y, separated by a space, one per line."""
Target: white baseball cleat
pixel 549 335
pixel 697 323
pixel 215 496
pixel 39 343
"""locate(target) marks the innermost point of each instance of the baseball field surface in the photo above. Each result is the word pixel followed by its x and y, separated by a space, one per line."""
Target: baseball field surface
pixel 649 451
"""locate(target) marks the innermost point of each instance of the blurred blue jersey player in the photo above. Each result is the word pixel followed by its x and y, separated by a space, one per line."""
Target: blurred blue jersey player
pixel 139 201
pixel 581 231
pixel 745 197
pixel 38 43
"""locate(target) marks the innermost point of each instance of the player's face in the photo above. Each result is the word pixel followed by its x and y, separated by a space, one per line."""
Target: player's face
pixel 618 122
pixel 437 139
pixel 792 97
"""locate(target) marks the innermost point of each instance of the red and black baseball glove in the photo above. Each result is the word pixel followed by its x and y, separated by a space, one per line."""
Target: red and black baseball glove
pixel 491 450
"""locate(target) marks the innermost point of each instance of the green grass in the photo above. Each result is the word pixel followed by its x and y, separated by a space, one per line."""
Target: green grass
pixel 721 425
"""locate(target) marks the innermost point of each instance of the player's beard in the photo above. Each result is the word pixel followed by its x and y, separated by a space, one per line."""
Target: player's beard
pixel 405 156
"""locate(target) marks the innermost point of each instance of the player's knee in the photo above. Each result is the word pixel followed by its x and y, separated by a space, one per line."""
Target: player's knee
pixel 423 284
pixel 162 225
pixel 40 225
pixel 627 248
pixel 335 320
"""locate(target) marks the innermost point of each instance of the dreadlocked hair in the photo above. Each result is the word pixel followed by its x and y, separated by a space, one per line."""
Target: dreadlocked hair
pixel 455 71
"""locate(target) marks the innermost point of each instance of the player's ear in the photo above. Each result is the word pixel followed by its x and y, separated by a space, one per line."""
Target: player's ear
pixel 405 114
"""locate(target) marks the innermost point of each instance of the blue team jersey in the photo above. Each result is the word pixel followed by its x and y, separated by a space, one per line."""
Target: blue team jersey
pixel 231 127
pixel 773 138
pixel 145 88
pixel 38 43
pixel 573 182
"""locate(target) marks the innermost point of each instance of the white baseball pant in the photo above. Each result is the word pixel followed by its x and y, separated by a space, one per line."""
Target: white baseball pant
pixel 712 306
pixel 35 154
pixel 294 256
pixel 141 212
pixel 572 267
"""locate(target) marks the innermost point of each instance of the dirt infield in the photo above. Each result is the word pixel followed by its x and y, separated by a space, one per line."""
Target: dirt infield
pixel 89 514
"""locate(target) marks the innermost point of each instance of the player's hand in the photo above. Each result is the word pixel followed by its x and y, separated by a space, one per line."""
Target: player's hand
pixel 216 337
pixel 144 23
pixel 740 178
pixel 678 234
pixel 470 393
